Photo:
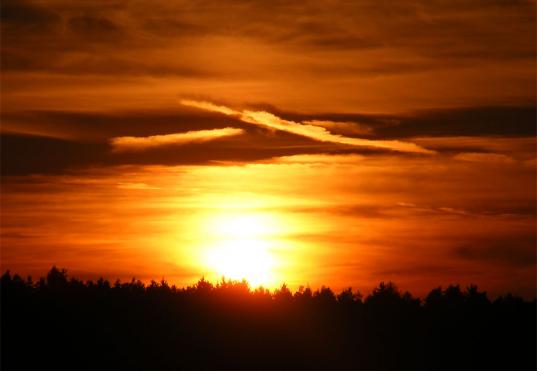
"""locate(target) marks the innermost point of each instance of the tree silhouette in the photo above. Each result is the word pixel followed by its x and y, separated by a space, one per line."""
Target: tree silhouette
pixel 60 322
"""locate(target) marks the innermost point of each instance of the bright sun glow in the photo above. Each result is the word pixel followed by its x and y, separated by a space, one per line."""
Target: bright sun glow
pixel 241 247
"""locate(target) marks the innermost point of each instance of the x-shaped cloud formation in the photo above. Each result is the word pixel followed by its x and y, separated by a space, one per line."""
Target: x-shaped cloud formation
pixel 269 120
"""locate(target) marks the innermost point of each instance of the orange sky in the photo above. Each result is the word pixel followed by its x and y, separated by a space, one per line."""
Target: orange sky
pixel 323 142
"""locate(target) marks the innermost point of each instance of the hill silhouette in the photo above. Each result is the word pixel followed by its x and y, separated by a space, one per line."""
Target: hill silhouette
pixel 62 323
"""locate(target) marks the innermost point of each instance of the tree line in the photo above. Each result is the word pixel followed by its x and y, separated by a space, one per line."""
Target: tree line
pixel 62 322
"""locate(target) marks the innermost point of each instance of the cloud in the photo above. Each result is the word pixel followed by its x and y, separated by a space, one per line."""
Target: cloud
pixel 208 106
pixel 27 154
pixel 509 121
pixel 320 158
pixel 519 251
pixel 121 144
pixel 518 147
pixel 137 186
pixel 26 16
pixel 102 125
pixel 491 158
pixel 343 127
pixel 321 134
pixel 318 46
pixel 51 141
pixel 93 26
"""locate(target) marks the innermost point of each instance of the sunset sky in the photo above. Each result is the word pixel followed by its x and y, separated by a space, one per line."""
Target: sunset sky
pixel 328 142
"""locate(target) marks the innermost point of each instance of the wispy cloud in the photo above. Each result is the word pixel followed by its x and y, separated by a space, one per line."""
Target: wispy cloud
pixel 491 158
pixel 123 144
pixel 320 158
pixel 208 106
pixel 268 120
pixel 344 127
pixel 137 186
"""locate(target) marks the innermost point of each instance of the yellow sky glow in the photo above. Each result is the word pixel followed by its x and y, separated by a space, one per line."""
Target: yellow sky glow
pixel 277 222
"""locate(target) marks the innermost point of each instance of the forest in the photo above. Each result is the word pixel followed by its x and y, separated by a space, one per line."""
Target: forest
pixel 63 323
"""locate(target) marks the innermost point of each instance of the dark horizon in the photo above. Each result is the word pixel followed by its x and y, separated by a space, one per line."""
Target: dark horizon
pixel 227 326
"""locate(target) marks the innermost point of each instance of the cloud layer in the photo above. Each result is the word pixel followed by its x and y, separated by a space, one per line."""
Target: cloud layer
pixel 337 55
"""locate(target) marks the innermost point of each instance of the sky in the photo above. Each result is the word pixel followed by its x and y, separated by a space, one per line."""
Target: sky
pixel 328 142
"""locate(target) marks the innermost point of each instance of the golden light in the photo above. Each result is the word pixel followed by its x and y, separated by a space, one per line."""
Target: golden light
pixel 241 247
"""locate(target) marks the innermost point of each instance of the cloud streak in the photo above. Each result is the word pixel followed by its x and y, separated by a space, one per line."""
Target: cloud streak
pixel 490 158
pixel 125 144
pixel 344 127
pixel 318 133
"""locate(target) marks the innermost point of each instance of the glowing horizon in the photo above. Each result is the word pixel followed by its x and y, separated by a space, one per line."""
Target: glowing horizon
pixel 274 223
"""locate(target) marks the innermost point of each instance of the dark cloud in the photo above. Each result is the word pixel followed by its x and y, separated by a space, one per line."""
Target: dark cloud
pixel 514 208
pixel 27 30
pixel 94 27
pixel 99 126
pixel 425 270
pixel 49 141
pixel 432 30
pixel 515 251
pixel 28 154
pixel 480 121
pixel 32 154
pixel 98 64
pixel 167 26
pixel 440 36
pixel 23 16
pixel 313 32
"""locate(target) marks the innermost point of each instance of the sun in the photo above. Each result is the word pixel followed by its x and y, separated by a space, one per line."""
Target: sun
pixel 241 248
pixel 245 259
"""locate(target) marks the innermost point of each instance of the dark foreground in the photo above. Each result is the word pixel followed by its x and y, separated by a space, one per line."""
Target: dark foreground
pixel 66 324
